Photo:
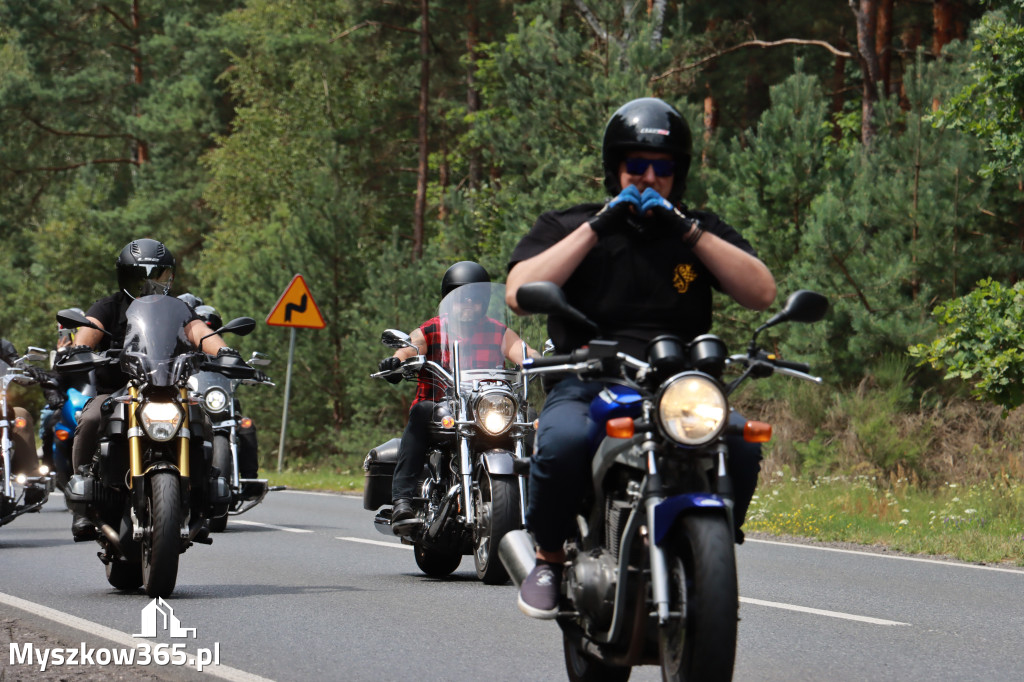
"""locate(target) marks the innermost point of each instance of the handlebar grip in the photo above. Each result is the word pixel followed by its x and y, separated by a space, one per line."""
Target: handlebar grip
pixel 796 366
pixel 578 355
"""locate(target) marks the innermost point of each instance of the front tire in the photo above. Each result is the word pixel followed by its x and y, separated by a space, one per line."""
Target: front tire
pixel 702 586
pixel 497 513
pixel 160 551
pixel 583 668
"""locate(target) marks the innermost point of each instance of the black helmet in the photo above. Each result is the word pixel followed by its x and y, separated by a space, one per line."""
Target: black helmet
pixel 145 267
pixel 463 272
pixel 647 124
pixel 192 300
pixel 209 315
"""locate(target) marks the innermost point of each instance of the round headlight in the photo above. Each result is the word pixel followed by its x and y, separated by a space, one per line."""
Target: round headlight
pixel 692 409
pixel 495 412
pixel 161 420
pixel 215 400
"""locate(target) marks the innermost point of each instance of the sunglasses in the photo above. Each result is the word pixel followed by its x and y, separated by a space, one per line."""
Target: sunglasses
pixel 663 168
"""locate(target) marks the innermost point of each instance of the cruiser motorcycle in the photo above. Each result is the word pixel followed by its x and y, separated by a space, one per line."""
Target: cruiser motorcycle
pixel 149 489
pixel 650 578
pixel 23 491
pixel 216 393
pixel 471 492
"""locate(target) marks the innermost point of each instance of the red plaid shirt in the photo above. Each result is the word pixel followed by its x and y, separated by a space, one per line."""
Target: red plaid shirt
pixel 484 352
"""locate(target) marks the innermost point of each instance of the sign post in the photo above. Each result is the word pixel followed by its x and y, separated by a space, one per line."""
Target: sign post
pixel 296 308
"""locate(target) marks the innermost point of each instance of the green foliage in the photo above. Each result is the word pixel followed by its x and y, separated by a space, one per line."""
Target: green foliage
pixel 991 105
pixel 982 342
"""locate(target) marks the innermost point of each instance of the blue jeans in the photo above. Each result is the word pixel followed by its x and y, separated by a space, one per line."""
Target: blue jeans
pixel 560 467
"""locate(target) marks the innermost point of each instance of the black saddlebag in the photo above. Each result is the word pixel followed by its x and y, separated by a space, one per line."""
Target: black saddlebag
pixel 379 467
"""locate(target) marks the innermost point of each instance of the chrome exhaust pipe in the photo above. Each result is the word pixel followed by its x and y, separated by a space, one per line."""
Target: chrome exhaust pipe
pixel 517 554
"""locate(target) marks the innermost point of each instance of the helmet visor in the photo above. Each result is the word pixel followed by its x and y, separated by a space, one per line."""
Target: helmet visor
pixel 144 280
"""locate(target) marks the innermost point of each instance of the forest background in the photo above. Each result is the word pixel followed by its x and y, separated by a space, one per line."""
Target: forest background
pixel 869 149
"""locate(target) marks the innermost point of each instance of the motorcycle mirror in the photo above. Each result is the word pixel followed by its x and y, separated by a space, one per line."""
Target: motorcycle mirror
pixel 239 325
pixel 392 338
pixel 801 306
pixel 71 318
pixel 258 359
pixel 36 354
pixel 549 299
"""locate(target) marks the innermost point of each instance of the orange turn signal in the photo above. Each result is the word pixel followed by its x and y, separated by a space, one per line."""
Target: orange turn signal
pixel 448 422
pixel 246 423
pixel 20 422
pixel 620 427
pixel 62 435
pixel 757 432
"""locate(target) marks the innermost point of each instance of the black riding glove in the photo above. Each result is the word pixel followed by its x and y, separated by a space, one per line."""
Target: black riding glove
pixel 670 217
pixel 612 217
pixel 260 376
pixel 389 364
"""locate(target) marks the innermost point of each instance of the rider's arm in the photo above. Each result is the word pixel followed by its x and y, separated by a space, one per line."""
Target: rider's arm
pixel 554 264
pixel 740 275
pixel 196 330
pixel 87 336
pixel 419 340
pixel 512 348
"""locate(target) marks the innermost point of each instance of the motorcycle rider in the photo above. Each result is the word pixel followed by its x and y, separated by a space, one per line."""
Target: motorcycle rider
pixel 641 265
pixel 49 415
pixel 497 343
pixel 24 459
pixel 144 267
pixel 248 453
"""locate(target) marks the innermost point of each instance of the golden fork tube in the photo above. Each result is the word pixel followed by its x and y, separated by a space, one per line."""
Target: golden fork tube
pixel 135 442
pixel 183 443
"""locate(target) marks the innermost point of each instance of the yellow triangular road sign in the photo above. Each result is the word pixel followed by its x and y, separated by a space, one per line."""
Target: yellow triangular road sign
pixel 296 308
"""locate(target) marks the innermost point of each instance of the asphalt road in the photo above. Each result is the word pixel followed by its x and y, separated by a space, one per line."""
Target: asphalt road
pixel 303 587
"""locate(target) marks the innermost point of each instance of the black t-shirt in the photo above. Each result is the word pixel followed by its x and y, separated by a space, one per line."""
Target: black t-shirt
pixel 635 285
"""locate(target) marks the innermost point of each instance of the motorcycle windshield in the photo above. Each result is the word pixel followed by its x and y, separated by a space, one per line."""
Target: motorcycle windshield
pixel 154 339
pixel 474 321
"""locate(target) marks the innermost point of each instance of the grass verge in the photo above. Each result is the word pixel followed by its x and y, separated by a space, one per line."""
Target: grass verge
pixel 981 522
pixel 324 480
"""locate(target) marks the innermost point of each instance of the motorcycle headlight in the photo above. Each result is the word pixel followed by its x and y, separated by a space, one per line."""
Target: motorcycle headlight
pixel 495 412
pixel 161 420
pixel 215 400
pixel 692 409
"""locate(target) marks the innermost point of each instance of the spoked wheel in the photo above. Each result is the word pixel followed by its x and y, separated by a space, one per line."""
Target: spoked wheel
pixel 584 668
pixel 436 563
pixel 702 587
pixel 162 547
pixel 222 460
pixel 124 575
pixel 497 513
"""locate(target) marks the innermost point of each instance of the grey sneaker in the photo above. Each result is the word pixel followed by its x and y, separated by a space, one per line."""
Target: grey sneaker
pixel 538 595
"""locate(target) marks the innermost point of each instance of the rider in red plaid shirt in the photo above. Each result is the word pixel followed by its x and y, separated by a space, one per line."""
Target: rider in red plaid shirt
pixel 484 343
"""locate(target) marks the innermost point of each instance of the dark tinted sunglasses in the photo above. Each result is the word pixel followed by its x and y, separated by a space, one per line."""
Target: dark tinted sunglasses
pixel 663 168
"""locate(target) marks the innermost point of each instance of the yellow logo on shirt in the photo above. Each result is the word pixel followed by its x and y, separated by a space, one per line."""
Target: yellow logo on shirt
pixel 684 274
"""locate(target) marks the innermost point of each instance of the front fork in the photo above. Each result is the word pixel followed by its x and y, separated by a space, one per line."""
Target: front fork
pixel 659 566
pixel 467 479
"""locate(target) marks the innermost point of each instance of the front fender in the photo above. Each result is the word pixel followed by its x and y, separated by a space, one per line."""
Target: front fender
pixel 498 462
pixel 668 510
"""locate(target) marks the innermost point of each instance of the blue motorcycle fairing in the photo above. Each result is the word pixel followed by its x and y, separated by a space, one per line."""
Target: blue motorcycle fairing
pixel 612 402
pixel 74 403
pixel 668 510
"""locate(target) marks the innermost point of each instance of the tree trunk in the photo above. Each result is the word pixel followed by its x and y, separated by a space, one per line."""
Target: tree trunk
pixel 710 123
pixel 866 13
pixel 141 148
pixel 883 44
pixel 419 211
pixel 472 94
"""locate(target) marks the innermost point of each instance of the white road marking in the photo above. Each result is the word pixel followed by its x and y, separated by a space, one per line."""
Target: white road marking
pixel 1018 571
pixel 820 612
pixel 270 525
pixel 382 543
pixel 122 638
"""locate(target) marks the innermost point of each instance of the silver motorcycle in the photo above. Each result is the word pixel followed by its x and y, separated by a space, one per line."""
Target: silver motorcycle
pixel 24 491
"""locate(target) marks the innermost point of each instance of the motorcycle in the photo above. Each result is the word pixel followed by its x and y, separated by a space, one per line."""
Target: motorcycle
pixel 216 393
pixel 78 389
pixel 147 490
pixel 472 492
pixel 650 579
pixel 23 491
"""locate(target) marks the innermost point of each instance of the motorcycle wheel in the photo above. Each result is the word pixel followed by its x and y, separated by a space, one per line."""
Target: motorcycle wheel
pixel 497 513
pixel 435 563
pixel 124 575
pixel 160 550
pixel 702 585
pixel 221 460
pixel 583 668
